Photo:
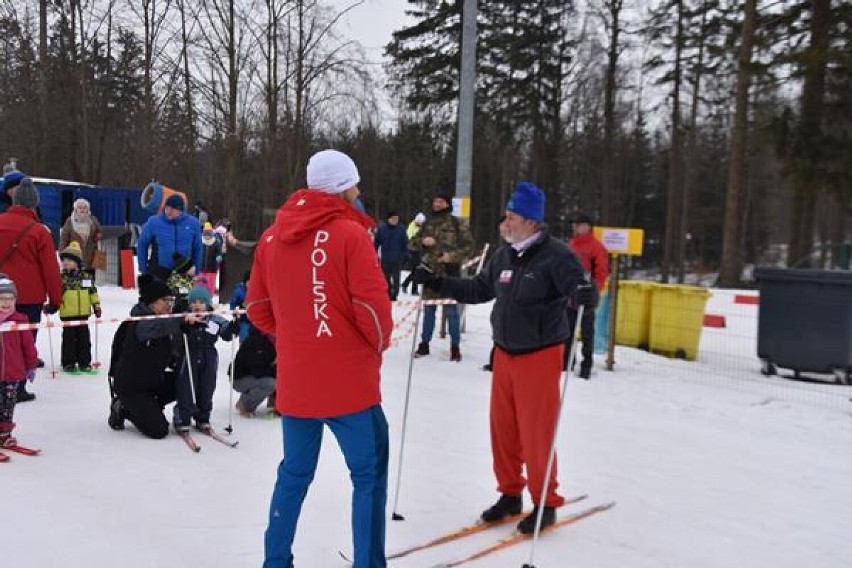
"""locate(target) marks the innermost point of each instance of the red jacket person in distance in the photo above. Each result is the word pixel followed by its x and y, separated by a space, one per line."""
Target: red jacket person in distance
pixel 317 286
pixel 595 260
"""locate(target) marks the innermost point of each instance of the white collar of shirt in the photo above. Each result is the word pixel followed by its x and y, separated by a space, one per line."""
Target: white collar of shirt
pixel 526 243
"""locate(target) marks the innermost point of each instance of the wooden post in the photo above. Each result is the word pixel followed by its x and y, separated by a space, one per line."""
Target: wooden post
pixel 613 310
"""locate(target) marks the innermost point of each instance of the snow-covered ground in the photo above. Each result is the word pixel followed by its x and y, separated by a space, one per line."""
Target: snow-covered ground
pixel 704 475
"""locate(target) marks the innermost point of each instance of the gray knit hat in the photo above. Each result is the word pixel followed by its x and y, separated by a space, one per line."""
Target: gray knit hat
pixel 7 286
pixel 26 195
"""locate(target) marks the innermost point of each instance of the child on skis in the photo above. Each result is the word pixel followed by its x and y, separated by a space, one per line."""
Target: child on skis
pixel 254 371
pixel 79 301
pixel 18 363
pixel 197 381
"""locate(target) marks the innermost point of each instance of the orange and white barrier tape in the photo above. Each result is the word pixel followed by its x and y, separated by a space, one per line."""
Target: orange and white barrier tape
pixel 9 326
pixel 438 302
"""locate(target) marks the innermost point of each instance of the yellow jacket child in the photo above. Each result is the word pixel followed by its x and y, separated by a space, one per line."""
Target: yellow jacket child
pixel 79 300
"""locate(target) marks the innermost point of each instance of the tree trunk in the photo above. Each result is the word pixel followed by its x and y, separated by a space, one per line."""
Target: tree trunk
pixel 40 164
pixel 190 143
pixel 674 232
pixel 692 145
pixel 731 264
pixel 807 179
pixel 232 146
pixel 608 163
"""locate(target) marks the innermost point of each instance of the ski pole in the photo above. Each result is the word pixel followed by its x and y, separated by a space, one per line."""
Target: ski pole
pixel 550 458
pixel 396 516
pixel 230 428
pixel 189 369
pixel 50 346
pixel 97 362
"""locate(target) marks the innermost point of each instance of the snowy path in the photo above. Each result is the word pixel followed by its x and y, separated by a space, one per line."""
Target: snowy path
pixel 704 477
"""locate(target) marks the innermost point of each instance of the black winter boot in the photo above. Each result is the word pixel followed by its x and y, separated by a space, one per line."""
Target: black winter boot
pixel 455 353
pixel 506 506
pixel 116 415
pixel 23 395
pixel 527 526
pixel 422 349
pixel 586 370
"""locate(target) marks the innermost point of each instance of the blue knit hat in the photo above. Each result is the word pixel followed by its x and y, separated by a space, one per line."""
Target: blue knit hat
pixel 200 294
pixel 12 179
pixel 527 201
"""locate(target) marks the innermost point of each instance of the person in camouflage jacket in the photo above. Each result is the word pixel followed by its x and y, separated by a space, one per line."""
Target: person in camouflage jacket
pixel 79 300
pixel 444 242
pixel 180 281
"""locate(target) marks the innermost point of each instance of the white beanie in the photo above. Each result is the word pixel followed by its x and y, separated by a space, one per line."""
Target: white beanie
pixel 331 171
pixel 420 218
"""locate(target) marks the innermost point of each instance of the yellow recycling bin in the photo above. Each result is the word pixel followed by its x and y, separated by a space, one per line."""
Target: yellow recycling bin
pixel 634 313
pixel 677 317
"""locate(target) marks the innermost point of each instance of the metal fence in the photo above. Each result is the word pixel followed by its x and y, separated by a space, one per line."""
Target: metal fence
pixel 727 353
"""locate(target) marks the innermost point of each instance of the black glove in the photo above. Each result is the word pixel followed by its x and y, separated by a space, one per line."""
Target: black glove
pixel 50 309
pixel 585 295
pixel 425 275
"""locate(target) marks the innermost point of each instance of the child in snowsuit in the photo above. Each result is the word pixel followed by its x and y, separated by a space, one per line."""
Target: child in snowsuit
pixel 254 371
pixel 18 363
pixel 203 363
pixel 79 300
pixel 211 257
pixel 238 301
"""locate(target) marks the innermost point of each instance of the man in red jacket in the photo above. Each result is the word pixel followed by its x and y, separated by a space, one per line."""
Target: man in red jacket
pixel 595 260
pixel 316 285
pixel 27 255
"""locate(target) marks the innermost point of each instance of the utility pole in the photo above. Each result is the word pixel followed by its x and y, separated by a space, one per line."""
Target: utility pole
pixel 467 91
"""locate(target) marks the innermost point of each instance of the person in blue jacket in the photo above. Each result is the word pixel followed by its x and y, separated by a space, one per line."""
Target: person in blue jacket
pixel 392 245
pixel 238 301
pixel 170 235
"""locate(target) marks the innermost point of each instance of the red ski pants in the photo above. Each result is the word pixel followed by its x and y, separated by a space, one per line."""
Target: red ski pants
pixel 524 405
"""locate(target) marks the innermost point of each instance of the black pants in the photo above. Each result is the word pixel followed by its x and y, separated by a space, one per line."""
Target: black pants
pixel 144 408
pixel 587 328
pixel 76 346
pixel 204 371
pixel 392 275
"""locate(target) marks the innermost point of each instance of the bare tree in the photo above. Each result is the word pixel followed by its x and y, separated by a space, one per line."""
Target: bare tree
pixel 611 15
pixel 731 262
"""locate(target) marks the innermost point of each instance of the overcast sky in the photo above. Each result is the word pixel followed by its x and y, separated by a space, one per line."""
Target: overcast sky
pixel 372 23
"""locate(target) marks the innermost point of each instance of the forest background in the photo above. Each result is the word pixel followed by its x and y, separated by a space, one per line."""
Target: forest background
pixel 722 128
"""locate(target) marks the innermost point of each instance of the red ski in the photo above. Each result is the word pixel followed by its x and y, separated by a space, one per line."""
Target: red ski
pixel 23 450
pixel 517 537
pixel 463 532
pixel 3 457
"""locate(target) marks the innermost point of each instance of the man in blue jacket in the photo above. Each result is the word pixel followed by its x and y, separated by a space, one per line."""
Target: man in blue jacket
pixel 392 245
pixel 171 234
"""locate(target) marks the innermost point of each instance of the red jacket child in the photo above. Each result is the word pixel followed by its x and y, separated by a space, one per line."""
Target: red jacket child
pixel 19 352
pixel 18 358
